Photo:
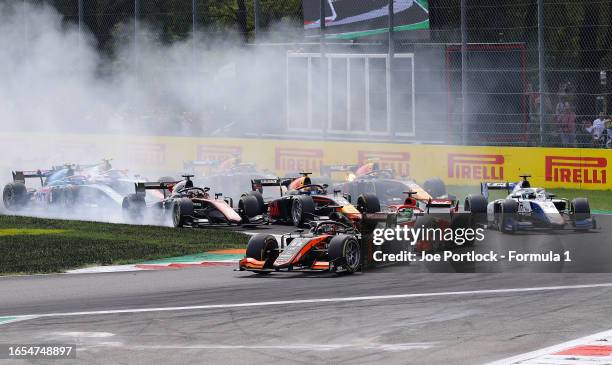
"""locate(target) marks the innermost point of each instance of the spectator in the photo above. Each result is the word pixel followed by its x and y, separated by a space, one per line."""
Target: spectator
pixel 597 129
pixel 567 124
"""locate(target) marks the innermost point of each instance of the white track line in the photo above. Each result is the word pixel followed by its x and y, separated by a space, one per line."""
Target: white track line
pixel 323 300
pixel 519 359
pixel 308 346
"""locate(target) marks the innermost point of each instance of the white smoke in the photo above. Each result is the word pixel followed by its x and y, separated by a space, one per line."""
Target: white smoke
pixel 55 81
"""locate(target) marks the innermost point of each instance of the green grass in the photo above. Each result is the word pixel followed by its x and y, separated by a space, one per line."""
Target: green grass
pixel 598 199
pixel 35 245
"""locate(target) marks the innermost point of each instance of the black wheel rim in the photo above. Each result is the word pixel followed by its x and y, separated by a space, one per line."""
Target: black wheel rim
pixel 352 254
pixel 296 212
pixel 361 205
pixel 265 253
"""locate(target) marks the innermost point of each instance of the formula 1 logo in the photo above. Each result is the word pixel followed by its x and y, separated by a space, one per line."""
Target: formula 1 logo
pixel 477 167
pixel 399 162
pixel 587 170
pixel 148 153
pixel 218 153
pixel 298 159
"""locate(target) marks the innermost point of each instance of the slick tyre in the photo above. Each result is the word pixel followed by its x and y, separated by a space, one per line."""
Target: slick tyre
pixel 427 222
pixel 166 179
pixel 14 196
pixel 302 210
pixel 249 207
pixel 463 221
pixel 263 247
pixel 435 187
pixel 260 200
pixel 133 207
pixel 580 209
pixel 182 212
pixel 344 252
pixel 368 203
pixel 69 198
pixel 508 213
pixel 477 206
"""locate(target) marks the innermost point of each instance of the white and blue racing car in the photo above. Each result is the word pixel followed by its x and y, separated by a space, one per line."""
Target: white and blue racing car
pixel 528 207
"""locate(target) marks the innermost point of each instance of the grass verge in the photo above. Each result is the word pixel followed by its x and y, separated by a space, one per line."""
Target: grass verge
pixel 36 245
pixel 598 199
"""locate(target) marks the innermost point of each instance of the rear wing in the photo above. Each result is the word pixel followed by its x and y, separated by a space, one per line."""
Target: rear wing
pixel 369 221
pixel 486 186
pixel 327 170
pixel 142 187
pixel 439 203
pixel 280 182
pixel 21 176
pixel 190 165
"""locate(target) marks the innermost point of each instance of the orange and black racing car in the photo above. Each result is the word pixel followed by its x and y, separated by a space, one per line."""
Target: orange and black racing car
pixel 301 201
pixel 334 245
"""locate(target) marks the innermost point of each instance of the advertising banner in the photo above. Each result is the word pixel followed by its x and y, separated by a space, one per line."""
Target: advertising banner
pixel 353 19
pixel 579 168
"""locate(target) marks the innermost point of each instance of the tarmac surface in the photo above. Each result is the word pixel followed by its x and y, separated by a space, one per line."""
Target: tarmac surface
pixel 401 314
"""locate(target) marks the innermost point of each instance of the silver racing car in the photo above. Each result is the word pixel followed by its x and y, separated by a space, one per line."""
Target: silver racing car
pixel 528 207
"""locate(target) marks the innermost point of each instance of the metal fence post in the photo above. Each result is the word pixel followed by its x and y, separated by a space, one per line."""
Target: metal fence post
pixel 193 32
pixel 323 60
pixel 391 55
pixel 136 26
pixel 464 65
pixel 541 86
pixel 257 15
pixel 80 39
pixel 25 24
pixel 322 26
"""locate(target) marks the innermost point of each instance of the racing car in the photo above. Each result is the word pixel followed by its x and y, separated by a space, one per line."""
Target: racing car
pixel 416 213
pixel 369 178
pixel 53 190
pixel 528 207
pixel 234 175
pixel 333 244
pixel 188 205
pixel 71 185
pixel 302 201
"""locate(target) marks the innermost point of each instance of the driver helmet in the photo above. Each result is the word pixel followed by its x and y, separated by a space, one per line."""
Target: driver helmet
pixel 179 186
pixel 299 183
pixel 185 184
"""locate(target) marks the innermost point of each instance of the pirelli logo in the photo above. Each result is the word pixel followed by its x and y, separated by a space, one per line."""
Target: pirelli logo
pixel 218 153
pixel 148 153
pixel 476 167
pixel 399 162
pixel 298 159
pixel 585 170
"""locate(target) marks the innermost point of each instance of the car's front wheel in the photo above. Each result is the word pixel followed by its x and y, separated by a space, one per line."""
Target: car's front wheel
pixel 262 247
pixel 507 216
pixel 182 212
pixel 580 209
pixel 133 207
pixel 344 251
pixel 368 203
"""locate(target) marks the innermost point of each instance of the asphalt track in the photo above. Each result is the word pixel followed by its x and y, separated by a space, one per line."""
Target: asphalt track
pixel 402 314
